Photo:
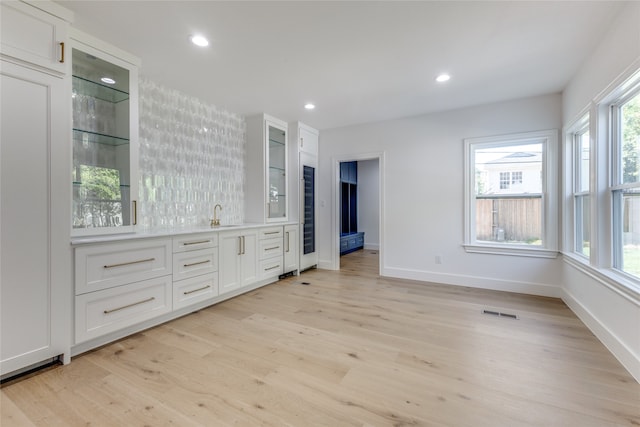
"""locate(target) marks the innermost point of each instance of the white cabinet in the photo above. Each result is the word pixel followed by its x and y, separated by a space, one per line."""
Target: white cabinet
pixel 120 284
pixel 35 257
pixel 303 189
pixel 105 137
pixel 270 253
pixel 110 310
pixel 291 254
pixel 195 269
pixel 238 259
pixel 36 36
pixel 267 163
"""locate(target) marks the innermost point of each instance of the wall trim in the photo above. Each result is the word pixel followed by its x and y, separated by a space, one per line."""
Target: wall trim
pixel 539 289
pixel 620 351
pixel 372 246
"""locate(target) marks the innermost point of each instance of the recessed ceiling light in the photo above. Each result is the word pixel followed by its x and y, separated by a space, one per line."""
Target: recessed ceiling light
pixel 199 41
pixel 108 80
pixel 443 78
pixel 309 106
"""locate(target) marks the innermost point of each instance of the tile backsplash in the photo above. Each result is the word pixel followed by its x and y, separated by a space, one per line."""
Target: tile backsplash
pixel 191 158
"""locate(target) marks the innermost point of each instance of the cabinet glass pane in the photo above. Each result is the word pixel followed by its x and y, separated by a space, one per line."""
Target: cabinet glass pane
pixel 101 156
pixel 309 224
pixel 277 173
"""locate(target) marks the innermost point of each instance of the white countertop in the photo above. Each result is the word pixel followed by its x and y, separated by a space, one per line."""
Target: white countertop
pixel 170 232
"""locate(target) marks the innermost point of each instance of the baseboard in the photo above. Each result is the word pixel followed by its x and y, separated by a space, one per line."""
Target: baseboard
pixel 326 265
pixel 619 350
pixel 372 246
pixel 540 289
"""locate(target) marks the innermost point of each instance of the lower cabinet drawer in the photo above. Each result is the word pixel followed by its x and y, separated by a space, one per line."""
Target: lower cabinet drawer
pixel 270 232
pixel 194 263
pixel 102 312
pixel 270 268
pixel 270 248
pixel 196 289
pixel 108 265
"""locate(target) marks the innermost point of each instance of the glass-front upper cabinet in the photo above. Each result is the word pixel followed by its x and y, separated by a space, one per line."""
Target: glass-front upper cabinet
pixel 266 186
pixel 105 138
pixel 277 172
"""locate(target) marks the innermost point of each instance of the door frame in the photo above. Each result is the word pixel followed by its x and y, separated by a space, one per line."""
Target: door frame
pixel 335 217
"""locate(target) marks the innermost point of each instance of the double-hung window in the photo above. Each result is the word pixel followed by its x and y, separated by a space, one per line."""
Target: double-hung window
pixel 581 193
pixel 625 182
pixel 510 194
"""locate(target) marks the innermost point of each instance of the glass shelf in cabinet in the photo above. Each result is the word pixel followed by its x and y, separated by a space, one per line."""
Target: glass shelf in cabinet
pixel 80 184
pixel 275 168
pixel 274 143
pixel 87 87
pixel 99 138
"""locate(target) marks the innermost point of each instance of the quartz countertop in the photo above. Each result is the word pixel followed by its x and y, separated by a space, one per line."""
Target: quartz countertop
pixel 170 232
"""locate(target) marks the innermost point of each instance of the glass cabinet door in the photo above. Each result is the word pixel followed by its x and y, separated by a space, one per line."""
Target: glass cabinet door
pixel 277 174
pixel 102 163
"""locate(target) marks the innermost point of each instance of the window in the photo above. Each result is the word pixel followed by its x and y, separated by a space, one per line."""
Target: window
pixel 504 180
pixel 625 188
pixel 510 208
pixel 510 179
pixel 581 194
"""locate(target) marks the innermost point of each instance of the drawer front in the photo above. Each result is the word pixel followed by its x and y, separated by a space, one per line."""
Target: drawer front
pixel 109 310
pixel 107 265
pixel 359 240
pixel 196 289
pixel 270 233
pixel 193 242
pixel 344 244
pixel 194 263
pixel 271 268
pixel 270 248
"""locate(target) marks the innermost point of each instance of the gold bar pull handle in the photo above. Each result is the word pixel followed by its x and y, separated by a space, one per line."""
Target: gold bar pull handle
pixel 197 263
pixel 272 268
pixel 271 232
pixel 287 233
pixel 243 247
pixel 239 245
pixel 196 243
pixel 135 212
pixel 129 263
pixel 272 248
pixel 62 52
pixel 128 305
pixel 196 290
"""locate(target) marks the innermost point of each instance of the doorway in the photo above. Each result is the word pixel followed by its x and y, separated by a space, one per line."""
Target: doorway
pixel 366 213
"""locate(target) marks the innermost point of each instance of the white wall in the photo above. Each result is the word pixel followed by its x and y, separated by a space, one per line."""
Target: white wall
pixel 369 202
pixel 422 181
pixel 612 315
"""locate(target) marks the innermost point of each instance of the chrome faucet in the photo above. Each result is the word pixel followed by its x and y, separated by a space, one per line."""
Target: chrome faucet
pixel 215 222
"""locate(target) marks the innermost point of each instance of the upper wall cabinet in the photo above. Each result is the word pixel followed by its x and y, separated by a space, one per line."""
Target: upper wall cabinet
pixel 35 35
pixel 105 137
pixel 266 196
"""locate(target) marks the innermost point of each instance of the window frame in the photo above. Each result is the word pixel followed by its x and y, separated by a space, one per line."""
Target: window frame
pixel 549 193
pixel 600 263
pixel 577 193
pixel 617 186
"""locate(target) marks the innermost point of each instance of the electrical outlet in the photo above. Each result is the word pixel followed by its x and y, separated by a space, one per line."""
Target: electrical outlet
pixel 438 259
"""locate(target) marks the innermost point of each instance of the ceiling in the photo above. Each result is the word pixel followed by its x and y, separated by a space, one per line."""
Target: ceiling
pixel 358 61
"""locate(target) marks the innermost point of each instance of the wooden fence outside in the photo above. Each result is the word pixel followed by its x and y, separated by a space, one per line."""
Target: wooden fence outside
pixel 509 219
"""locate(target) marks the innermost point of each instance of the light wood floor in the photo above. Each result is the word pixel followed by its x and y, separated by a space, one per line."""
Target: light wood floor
pixel 349 349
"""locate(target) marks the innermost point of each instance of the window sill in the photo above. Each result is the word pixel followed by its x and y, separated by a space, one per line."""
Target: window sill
pixel 511 251
pixel 615 281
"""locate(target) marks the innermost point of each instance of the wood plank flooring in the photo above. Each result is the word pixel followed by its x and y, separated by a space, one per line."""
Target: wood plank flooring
pixel 349 349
